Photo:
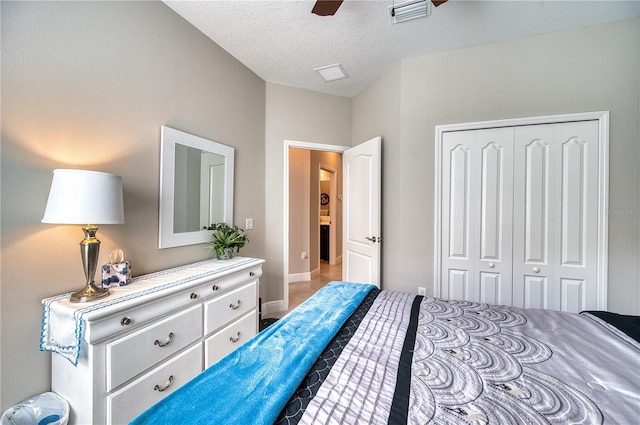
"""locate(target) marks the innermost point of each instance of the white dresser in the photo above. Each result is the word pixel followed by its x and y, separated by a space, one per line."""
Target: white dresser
pixel 152 336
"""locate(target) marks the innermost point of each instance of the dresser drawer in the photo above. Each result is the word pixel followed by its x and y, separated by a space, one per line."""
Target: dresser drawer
pixel 219 286
pixel 127 403
pixel 140 350
pixel 229 306
pixel 229 338
pixel 133 318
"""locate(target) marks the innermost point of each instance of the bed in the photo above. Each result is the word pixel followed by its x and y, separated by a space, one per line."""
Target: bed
pixel 354 354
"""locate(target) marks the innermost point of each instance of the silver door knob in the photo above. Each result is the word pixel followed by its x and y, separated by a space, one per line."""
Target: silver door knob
pixel 371 238
pixel 491 265
pixel 536 270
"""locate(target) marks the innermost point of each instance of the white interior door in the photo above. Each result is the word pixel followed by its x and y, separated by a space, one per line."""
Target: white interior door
pixel 361 209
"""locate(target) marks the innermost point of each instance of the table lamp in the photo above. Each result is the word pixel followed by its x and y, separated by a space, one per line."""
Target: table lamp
pixel 88 198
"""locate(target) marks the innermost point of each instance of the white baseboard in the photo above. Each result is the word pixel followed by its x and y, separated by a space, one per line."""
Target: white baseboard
pixel 299 277
pixel 272 307
pixel 302 277
pixel 315 273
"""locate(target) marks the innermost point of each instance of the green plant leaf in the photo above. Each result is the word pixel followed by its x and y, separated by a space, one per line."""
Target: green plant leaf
pixel 223 236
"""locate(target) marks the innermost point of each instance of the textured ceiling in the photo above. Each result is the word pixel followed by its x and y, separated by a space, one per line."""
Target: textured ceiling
pixel 283 42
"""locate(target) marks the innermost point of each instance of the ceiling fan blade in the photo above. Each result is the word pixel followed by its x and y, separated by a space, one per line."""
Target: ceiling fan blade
pixel 437 3
pixel 326 7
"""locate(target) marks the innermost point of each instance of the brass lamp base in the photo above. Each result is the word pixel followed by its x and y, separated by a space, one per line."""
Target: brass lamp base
pixel 89 249
pixel 91 292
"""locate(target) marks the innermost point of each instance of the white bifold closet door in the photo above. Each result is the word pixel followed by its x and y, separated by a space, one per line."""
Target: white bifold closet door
pixel 477 182
pixel 520 214
pixel 556 216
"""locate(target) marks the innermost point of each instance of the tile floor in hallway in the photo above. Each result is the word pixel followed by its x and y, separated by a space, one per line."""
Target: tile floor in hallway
pixel 300 291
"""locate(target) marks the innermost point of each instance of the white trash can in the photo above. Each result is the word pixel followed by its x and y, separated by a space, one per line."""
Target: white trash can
pixel 44 409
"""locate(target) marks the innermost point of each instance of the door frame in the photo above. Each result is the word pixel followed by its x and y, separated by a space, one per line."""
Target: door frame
pixel 288 144
pixel 333 190
pixel 603 185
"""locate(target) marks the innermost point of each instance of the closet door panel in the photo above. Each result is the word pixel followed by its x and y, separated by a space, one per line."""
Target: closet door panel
pixel 457 284
pixel 494 215
pixel 536 201
pixel 573 213
pixel 536 291
pixel 533 218
pixel 556 215
pixel 576 268
pixel 457 209
pixel 459 212
pixel 573 295
pixel 492 288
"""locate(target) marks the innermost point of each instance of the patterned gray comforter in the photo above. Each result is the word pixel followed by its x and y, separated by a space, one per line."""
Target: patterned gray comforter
pixel 422 360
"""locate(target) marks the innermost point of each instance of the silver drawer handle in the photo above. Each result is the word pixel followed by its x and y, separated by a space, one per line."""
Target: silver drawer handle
pixel 193 295
pixel 125 321
pixel 166 385
pixel 235 306
pixel 164 343
pixel 252 274
pixel 215 287
pixel 232 339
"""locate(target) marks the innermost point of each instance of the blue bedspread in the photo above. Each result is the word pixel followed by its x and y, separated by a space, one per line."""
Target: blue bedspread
pixel 252 384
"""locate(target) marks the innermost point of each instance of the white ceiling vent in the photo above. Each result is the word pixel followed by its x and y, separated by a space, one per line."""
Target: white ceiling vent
pixel 332 72
pixel 409 10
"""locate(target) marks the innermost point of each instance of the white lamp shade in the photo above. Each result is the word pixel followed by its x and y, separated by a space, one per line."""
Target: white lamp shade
pixel 84 197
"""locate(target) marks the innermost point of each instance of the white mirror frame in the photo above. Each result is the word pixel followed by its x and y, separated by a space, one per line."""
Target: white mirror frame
pixel 170 137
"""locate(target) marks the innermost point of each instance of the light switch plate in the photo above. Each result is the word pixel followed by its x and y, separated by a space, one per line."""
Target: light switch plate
pixel 248 224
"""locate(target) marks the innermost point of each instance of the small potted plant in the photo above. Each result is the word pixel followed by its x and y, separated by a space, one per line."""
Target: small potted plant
pixel 226 239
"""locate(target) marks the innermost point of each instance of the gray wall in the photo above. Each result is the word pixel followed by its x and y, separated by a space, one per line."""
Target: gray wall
pixel 377 111
pixel 88 85
pixel 590 69
pixel 304 116
pixel 299 210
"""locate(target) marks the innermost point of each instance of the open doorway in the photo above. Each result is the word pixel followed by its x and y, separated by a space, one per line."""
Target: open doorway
pixel 361 226
pixel 304 270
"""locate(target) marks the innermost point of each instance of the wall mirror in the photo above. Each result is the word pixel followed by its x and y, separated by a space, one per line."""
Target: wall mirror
pixel 196 187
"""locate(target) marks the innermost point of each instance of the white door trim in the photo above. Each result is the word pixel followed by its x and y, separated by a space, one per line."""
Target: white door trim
pixel 333 190
pixel 285 234
pixel 603 182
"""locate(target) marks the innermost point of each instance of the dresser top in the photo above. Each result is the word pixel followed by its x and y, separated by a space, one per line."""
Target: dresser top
pixel 153 285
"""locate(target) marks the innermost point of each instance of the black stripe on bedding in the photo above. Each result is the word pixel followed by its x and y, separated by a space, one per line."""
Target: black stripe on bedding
pixel 308 388
pixel 400 406
pixel 630 325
